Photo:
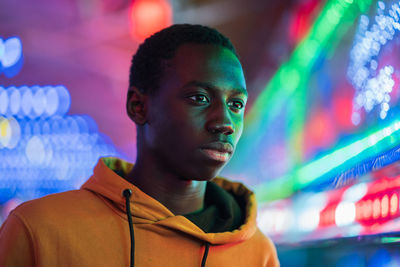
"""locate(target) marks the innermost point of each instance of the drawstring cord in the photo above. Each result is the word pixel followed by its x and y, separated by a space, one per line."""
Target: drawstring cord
pixel 127 194
pixel 203 261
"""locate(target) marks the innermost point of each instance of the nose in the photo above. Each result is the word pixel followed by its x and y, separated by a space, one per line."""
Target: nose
pixel 220 120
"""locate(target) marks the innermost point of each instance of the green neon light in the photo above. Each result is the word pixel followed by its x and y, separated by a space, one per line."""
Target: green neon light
pixel 342 158
pixel 390 239
pixel 316 169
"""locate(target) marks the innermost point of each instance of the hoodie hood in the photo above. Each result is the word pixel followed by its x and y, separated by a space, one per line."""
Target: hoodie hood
pixel 107 182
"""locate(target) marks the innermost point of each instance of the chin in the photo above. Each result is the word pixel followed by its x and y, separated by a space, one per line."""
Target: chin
pixel 207 175
pixel 202 171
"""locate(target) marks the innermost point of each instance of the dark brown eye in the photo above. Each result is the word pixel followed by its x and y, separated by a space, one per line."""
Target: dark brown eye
pixel 199 99
pixel 236 104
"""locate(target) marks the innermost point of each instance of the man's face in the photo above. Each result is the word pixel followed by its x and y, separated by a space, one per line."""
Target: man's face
pixel 195 119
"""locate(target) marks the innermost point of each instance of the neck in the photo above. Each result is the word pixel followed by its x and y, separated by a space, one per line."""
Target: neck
pixel 180 196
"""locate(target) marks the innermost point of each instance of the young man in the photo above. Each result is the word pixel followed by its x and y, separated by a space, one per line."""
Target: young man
pixel 187 97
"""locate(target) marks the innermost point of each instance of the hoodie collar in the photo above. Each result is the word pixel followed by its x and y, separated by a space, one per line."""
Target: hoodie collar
pixel 106 183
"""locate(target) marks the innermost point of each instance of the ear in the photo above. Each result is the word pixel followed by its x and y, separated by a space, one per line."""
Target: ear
pixel 136 106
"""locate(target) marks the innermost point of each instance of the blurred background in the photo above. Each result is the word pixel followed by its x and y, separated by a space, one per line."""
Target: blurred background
pixel 322 136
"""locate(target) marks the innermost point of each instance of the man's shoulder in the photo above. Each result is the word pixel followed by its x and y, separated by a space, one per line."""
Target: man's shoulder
pixel 54 205
pixel 266 247
pixel 264 240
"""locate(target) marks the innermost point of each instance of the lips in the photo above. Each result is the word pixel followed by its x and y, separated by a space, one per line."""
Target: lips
pixel 218 151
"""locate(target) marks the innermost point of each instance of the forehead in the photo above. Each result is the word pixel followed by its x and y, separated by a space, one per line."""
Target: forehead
pixel 211 64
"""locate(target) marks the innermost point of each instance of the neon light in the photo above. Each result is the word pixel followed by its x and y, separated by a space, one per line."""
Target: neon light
pixel 390 239
pixel 316 169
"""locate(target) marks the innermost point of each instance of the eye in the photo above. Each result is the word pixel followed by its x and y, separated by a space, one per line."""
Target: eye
pixel 200 99
pixel 236 104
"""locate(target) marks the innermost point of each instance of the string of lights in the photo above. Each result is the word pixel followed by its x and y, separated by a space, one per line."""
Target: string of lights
pixel 373 85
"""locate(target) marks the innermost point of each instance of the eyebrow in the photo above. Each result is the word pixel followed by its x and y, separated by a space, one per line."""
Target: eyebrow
pixel 207 85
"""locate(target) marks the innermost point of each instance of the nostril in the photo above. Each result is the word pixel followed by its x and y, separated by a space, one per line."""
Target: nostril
pixel 224 129
pixel 228 131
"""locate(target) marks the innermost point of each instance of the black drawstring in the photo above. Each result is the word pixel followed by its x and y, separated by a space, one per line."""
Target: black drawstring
pixel 127 194
pixel 203 261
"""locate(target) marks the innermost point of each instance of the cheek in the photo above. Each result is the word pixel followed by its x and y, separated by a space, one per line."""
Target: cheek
pixel 188 131
pixel 186 122
pixel 239 123
pixel 174 123
pixel 175 131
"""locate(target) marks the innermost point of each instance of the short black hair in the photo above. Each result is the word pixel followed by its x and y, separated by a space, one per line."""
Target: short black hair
pixel 147 64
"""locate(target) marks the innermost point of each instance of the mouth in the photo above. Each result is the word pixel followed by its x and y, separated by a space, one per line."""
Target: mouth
pixel 218 151
pixel 216 155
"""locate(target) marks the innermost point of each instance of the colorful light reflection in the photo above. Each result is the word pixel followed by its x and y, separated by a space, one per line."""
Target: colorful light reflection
pixel 360 209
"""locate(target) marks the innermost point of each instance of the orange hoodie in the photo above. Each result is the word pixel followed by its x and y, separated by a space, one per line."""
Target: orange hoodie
pixel 89 227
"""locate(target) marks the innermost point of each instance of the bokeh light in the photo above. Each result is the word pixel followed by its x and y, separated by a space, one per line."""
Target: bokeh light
pixel 42 149
pixel 148 17
pixel 11 56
